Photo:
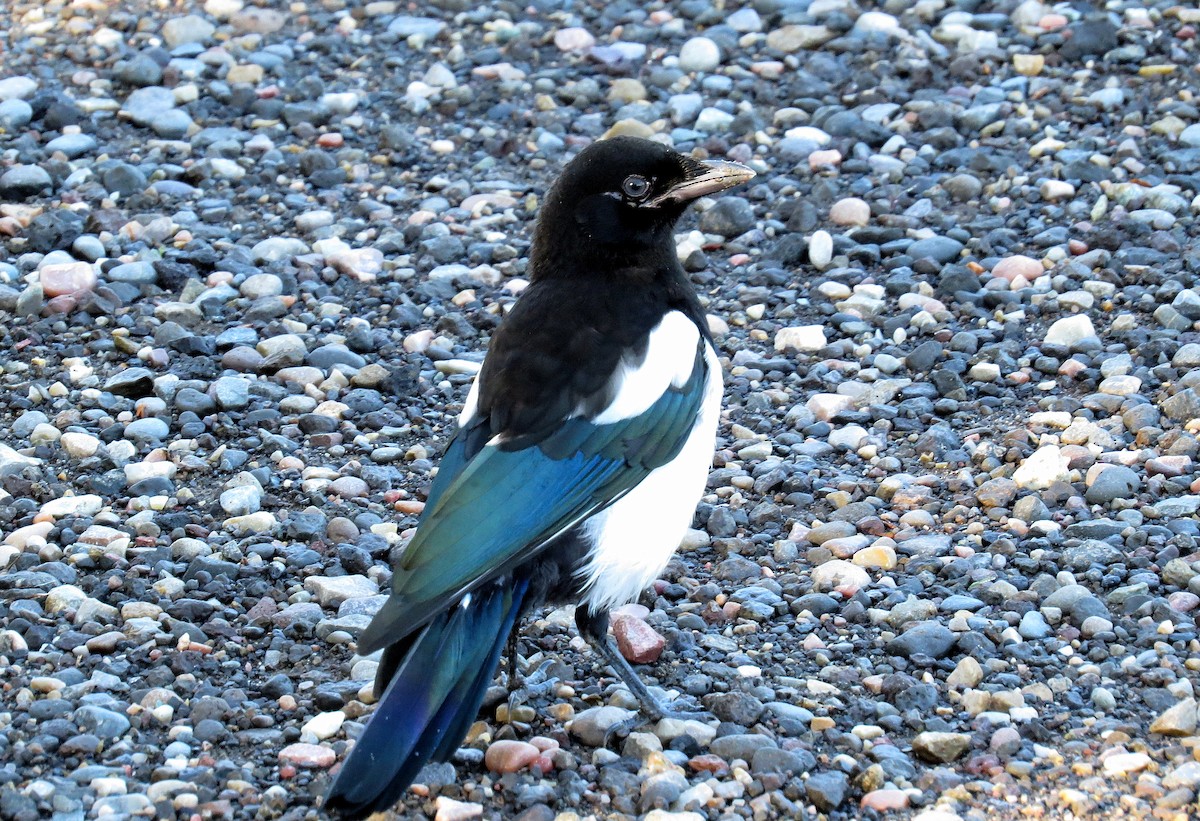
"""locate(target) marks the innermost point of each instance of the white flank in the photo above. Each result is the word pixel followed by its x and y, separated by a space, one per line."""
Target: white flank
pixel 635 538
pixel 471 405
pixel 670 356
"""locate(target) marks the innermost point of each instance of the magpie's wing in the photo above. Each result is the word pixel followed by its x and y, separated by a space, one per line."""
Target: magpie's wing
pixel 496 504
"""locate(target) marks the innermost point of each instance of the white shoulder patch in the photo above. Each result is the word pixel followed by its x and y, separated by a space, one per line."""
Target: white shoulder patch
pixel 670 358
pixel 471 405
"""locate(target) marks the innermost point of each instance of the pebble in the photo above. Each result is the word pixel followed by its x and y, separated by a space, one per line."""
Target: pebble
pixel 820 249
pixel 850 211
pixel 1177 720
pixel 941 747
pixel 637 641
pixel 806 338
pixel 926 638
pixel 839 574
pixel 510 756
pixel 308 756
pixel 573 39
pixel 1068 331
pixel 67 278
pixel 1121 764
pixel 699 54
pixel 592 725
pixel 1018 265
pixel 447 809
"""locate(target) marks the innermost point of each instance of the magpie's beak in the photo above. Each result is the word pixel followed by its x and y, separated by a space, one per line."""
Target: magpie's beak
pixel 703 178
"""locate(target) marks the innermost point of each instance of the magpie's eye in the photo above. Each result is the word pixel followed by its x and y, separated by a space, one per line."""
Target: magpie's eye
pixel 635 187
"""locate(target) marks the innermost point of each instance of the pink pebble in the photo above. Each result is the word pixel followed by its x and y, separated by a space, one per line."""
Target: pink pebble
pixel 884 800
pixel 1018 266
pixel 510 756
pixel 637 641
pixel 825 157
pixel 310 756
pixel 67 278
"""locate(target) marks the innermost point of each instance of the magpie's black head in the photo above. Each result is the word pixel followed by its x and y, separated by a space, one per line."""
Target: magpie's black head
pixel 615 205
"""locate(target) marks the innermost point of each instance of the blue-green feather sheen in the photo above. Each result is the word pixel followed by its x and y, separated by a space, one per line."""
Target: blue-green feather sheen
pixel 496 509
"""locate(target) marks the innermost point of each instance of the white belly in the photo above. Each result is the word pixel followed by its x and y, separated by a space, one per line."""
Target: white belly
pixel 636 536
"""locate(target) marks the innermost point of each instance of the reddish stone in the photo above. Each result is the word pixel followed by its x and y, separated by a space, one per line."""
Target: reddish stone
pixel 264 610
pixel 309 756
pixel 1012 267
pixel 709 763
pixel 510 756
pixel 637 641
pixel 60 305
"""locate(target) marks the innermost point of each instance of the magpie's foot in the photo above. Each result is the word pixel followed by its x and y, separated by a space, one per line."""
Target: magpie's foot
pixel 683 715
pixel 651 714
pixel 536 684
pixel 541 680
pixel 657 710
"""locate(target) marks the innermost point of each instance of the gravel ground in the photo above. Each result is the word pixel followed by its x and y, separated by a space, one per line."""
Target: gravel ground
pixel 946 567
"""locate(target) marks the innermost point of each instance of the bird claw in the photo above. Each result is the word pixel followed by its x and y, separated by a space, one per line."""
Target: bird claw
pixel 685 715
pixel 651 714
pixel 657 711
pixel 621 729
pixel 536 684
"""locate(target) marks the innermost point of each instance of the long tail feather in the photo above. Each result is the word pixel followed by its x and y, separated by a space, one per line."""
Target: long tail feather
pixel 430 702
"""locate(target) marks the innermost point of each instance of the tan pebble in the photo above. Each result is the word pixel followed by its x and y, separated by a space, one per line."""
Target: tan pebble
pixel 881 556
pixel 884 800
pixel 573 39
pixel 850 211
pixel 1029 65
pixel 447 809
pixel 824 157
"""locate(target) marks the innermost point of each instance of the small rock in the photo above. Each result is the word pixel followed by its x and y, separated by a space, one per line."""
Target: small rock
pixel 332 591
pixel 926 638
pixel 1179 720
pixel 1010 268
pixel 1126 763
pixel 510 756
pixel 308 756
pixel 638 641
pixel 850 211
pixel 699 54
pixel 592 725
pixel 805 338
pixel 189 29
pixel 1043 468
pixel 447 809
pixel 827 790
pixel 839 574
pixel 1070 330
pixel 884 800
pixel 941 747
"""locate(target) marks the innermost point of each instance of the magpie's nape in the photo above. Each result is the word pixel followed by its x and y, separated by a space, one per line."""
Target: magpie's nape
pixel 580 455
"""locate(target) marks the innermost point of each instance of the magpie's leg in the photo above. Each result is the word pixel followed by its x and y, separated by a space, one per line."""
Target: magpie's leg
pixel 511 656
pixel 594 628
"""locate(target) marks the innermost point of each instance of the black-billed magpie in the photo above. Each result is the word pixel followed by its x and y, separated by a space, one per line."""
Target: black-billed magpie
pixel 580 454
